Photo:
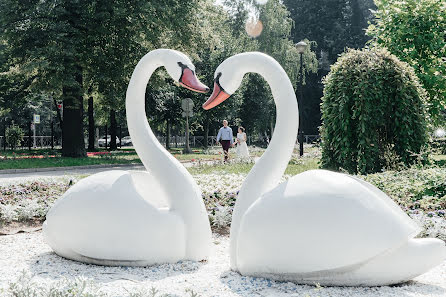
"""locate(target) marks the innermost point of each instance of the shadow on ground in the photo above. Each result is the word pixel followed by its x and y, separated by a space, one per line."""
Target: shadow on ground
pixel 257 286
pixel 49 265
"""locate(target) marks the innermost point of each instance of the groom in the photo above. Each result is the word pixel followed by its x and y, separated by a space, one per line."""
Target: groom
pixel 225 137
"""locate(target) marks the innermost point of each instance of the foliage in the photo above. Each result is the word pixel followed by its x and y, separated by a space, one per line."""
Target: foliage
pixel 414 31
pixel 24 286
pixel 421 193
pixel 79 48
pixel 414 189
pixel 14 135
pixel 373 106
pixel 78 287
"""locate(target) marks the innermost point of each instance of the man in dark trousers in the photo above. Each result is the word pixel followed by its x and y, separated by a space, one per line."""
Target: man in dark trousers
pixel 225 137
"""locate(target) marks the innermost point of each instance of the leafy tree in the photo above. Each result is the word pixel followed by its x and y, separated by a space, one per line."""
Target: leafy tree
pixel 414 31
pixel 373 107
pixel 79 48
pixel 121 33
pixel 14 135
pixel 46 39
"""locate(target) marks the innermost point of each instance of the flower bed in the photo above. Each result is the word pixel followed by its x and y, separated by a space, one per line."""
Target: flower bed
pixel 26 156
pixel 421 193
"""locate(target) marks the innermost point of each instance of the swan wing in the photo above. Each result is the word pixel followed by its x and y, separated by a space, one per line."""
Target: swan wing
pixel 319 220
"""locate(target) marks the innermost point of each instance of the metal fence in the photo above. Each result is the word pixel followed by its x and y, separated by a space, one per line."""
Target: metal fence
pixel 198 141
pixel 175 141
pixel 36 142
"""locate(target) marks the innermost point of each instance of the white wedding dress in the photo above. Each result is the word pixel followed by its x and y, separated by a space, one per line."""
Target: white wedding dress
pixel 242 147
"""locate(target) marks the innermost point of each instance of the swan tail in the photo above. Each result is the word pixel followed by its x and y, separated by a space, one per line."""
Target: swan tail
pixel 415 257
pixel 402 264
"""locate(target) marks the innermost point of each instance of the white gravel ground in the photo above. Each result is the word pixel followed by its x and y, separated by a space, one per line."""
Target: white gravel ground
pixel 28 252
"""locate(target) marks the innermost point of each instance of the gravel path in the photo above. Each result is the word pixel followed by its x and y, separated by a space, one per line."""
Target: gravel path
pixel 28 252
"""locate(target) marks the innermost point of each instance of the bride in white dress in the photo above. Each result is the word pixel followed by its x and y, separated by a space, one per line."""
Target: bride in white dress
pixel 242 147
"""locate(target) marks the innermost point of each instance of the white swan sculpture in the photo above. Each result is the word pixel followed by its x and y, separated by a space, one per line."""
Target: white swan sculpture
pixel 130 217
pixel 319 226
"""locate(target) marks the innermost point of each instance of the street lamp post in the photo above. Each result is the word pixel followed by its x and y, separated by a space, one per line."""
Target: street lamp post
pixel 301 46
pixel 187 105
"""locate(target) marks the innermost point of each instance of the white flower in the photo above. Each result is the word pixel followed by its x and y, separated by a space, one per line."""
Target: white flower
pixel 29 209
pixel 222 216
pixel 8 212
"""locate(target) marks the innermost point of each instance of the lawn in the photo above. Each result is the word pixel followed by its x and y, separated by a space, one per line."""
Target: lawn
pixel 44 158
pixel 48 158
pixel 244 168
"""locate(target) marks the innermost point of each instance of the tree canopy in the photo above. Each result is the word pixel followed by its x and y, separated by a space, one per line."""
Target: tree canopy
pixel 414 31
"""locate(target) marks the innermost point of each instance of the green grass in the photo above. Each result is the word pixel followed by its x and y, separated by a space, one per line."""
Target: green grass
pixel 63 161
pixel 16 160
pixel 244 168
pixel 195 157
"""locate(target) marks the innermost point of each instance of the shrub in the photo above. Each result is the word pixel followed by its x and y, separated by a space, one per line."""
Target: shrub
pixel 14 135
pixel 373 113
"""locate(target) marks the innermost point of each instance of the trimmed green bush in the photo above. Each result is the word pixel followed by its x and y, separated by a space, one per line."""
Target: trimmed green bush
pixel 373 113
pixel 14 135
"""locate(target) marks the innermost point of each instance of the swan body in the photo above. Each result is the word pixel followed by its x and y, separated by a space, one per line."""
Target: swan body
pixel 136 218
pixel 319 226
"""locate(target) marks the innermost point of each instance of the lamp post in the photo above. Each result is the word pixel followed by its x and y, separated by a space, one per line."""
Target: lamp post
pixel 301 46
pixel 187 105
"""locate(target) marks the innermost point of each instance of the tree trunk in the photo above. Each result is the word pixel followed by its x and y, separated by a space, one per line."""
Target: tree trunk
pixel 91 128
pixel 72 128
pixel 113 131
pixel 206 133
pixel 168 134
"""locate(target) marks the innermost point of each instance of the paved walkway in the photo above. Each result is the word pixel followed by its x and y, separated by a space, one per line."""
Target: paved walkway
pixel 55 172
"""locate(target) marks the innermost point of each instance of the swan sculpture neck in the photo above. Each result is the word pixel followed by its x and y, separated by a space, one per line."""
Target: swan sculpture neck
pixel 182 193
pixel 269 169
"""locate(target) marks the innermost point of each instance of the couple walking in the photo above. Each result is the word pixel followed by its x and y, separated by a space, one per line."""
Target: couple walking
pixel 226 138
